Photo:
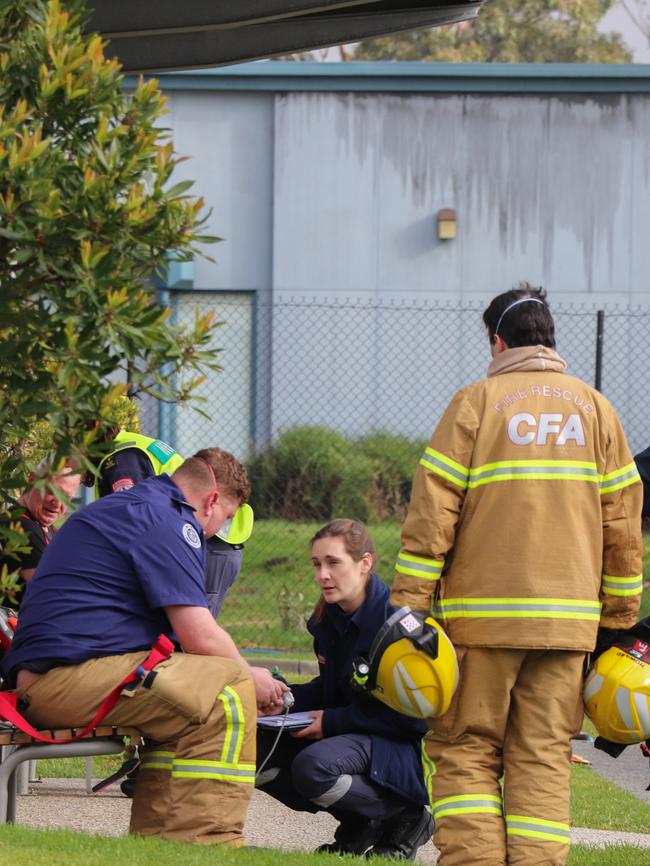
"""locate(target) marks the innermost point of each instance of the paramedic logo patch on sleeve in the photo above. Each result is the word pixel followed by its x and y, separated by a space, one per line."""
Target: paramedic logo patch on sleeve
pixel 191 535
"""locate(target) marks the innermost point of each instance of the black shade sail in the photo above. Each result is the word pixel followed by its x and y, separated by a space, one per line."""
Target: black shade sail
pixel 158 35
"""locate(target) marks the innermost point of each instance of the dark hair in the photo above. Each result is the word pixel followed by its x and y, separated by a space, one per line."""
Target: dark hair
pixel 228 472
pixel 526 324
pixel 357 542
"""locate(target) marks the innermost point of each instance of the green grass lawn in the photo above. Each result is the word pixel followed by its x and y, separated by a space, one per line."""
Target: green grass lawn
pixel 602 805
pixel 273 596
pixel 21 846
pixel 275 592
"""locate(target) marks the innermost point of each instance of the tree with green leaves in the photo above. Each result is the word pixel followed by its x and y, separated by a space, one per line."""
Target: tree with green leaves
pixel 511 31
pixel 87 216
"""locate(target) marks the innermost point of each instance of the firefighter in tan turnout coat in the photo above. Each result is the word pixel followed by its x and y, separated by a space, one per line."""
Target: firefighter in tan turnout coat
pixel 524 537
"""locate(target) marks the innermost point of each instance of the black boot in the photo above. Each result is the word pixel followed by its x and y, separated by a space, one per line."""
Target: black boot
pixel 354 835
pixel 401 836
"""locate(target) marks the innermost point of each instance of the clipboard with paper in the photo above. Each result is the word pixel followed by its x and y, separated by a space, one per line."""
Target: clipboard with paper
pixel 290 721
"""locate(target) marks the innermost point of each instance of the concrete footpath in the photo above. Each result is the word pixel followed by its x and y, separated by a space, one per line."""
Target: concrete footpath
pixel 64 804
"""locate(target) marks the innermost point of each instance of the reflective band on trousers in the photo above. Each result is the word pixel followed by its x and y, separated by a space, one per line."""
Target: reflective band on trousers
pixel 221 771
pixel 527 470
pixel 157 760
pixel 517 608
pixel 537 828
pixel 234 736
pixel 428 771
pixel 467 804
pixel 622 585
pixel 418 566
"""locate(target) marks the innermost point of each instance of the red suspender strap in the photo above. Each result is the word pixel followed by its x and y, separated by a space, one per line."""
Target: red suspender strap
pixel 161 650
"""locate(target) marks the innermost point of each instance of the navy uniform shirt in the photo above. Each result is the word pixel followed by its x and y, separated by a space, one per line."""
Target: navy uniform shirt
pixel 103 582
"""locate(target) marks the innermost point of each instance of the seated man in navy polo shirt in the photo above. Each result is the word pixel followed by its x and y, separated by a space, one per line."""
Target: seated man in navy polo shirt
pixel 119 573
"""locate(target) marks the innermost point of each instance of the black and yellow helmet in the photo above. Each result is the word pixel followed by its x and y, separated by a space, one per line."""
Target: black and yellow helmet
pixel 411 666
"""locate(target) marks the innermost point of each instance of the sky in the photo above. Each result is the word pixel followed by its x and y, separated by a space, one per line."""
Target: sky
pixel 619 20
pixel 616 20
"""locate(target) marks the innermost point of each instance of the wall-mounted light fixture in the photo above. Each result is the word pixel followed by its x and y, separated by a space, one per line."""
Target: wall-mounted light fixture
pixel 446 223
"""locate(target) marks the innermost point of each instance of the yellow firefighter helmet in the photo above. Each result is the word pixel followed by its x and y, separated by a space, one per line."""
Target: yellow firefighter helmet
pixel 239 527
pixel 617 692
pixel 411 666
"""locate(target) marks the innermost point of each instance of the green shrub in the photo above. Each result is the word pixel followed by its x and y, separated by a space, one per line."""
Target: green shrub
pixel 394 459
pixel 314 473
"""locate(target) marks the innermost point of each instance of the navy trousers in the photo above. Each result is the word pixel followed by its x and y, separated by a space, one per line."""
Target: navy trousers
pixel 331 774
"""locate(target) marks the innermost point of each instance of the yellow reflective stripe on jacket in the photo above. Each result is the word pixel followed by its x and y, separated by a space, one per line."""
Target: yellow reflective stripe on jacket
pixel 621 478
pixel 528 470
pixel 509 470
pixel 223 771
pixel 419 566
pixel 622 585
pixel 534 608
pixel 157 760
pixel 537 828
pixel 445 467
pixel 234 724
pixel 428 771
pixel 467 804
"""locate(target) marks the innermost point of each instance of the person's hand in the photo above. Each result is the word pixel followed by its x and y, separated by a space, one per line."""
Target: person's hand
pixel 270 711
pixel 268 691
pixel 315 730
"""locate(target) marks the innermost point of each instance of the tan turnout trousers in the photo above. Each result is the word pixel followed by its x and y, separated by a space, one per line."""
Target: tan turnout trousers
pixel 513 716
pixel 198 768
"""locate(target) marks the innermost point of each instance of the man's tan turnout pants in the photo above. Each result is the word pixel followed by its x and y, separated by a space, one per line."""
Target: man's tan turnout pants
pixel 513 715
pixel 198 718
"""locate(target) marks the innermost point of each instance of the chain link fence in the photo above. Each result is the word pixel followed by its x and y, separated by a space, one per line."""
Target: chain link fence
pixel 330 403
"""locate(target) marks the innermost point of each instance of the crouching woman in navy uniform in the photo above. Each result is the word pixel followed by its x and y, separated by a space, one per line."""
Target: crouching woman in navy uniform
pixel 358 759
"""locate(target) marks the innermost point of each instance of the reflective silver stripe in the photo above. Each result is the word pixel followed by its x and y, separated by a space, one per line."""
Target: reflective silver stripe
pixel 552 831
pixel 641 705
pixel 157 760
pixel 266 776
pixel 441 465
pixel 533 607
pixel 234 725
pixel 622 585
pixel 623 704
pixel 466 804
pixel 508 471
pixel 593 685
pixel 339 789
pixel 622 478
pixel 418 568
pixel 212 769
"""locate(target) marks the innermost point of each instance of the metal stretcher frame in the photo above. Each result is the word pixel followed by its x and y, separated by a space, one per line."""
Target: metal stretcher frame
pixel 104 740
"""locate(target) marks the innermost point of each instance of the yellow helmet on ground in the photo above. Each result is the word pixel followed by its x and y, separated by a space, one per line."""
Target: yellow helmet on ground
pixel 617 691
pixel 411 666
pixel 237 530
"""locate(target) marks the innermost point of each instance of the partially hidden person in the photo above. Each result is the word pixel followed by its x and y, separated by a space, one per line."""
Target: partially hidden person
pixel 40 507
pixel 358 759
pixel 120 572
pixel 134 457
pixel 523 536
